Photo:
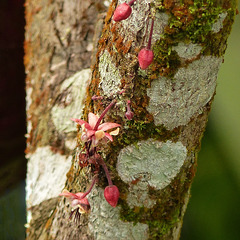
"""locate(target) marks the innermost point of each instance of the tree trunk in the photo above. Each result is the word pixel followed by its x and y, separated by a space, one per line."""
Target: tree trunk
pixel 153 159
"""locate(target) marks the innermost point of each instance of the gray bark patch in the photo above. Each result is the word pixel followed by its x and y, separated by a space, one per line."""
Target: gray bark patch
pixel 72 104
pixel 105 223
pixel 218 25
pixel 174 101
pixel 187 50
pixel 109 74
pixel 140 20
pixel 151 161
pixel 46 176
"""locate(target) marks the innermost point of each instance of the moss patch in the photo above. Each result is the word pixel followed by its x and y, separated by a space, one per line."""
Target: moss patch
pixel 191 21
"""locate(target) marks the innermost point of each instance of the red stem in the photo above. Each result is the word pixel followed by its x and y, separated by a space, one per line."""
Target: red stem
pixel 90 189
pixel 128 105
pixel 150 36
pixel 103 114
pixel 131 2
pixel 103 164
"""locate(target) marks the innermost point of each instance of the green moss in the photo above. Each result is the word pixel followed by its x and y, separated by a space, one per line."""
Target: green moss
pixel 191 21
pixel 166 61
pixel 158 225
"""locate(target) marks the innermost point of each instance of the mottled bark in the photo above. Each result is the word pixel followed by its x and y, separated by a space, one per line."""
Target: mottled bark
pixel 153 159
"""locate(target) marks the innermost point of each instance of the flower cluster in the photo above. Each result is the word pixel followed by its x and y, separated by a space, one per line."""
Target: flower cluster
pixel 145 56
pixel 92 132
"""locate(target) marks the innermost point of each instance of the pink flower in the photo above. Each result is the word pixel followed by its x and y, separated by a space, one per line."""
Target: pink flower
pixel 94 131
pixel 77 201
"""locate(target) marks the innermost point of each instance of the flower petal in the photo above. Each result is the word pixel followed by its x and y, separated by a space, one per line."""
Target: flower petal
pixel 114 132
pixel 92 119
pixel 84 208
pixel 108 125
pixel 90 133
pixel 81 122
pixel 109 136
pixel 67 194
pixel 99 134
pixel 82 201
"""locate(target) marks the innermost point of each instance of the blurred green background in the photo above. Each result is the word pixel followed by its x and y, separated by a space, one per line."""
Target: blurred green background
pixel 213 212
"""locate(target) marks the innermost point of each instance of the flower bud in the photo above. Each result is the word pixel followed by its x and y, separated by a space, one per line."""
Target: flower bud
pixel 122 12
pixel 111 194
pixel 129 115
pixel 145 58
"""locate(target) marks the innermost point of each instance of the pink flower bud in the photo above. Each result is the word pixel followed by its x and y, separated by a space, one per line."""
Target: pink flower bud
pixel 122 12
pixel 129 114
pixel 111 195
pixel 145 58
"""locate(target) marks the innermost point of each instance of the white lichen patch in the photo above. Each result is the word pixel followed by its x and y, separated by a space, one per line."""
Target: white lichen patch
pixel 138 195
pixel 46 175
pixel 187 50
pixel 174 101
pixel 151 161
pixel 105 224
pixel 72 103
pixel 110 78
pixel 218 25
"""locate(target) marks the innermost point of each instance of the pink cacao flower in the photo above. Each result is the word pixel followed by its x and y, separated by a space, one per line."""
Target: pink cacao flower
pixel 77 201
pixel 94 131
pixel 111 194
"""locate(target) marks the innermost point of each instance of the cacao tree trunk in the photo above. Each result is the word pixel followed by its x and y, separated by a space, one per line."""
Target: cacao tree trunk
pixel 152 160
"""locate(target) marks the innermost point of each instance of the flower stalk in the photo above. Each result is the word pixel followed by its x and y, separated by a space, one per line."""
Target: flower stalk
pixel 104 113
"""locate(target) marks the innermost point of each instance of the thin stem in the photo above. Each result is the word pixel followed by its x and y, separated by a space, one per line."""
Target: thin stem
pixel 103 164
pixel 150 36
pixel 90 189
pixel 128 105
pixel 103 114
pixel 131 2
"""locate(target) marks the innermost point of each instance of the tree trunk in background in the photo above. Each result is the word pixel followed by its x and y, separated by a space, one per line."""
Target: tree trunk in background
pixel 153 159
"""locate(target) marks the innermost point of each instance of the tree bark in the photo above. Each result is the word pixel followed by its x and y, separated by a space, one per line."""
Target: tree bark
pixel 153 159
